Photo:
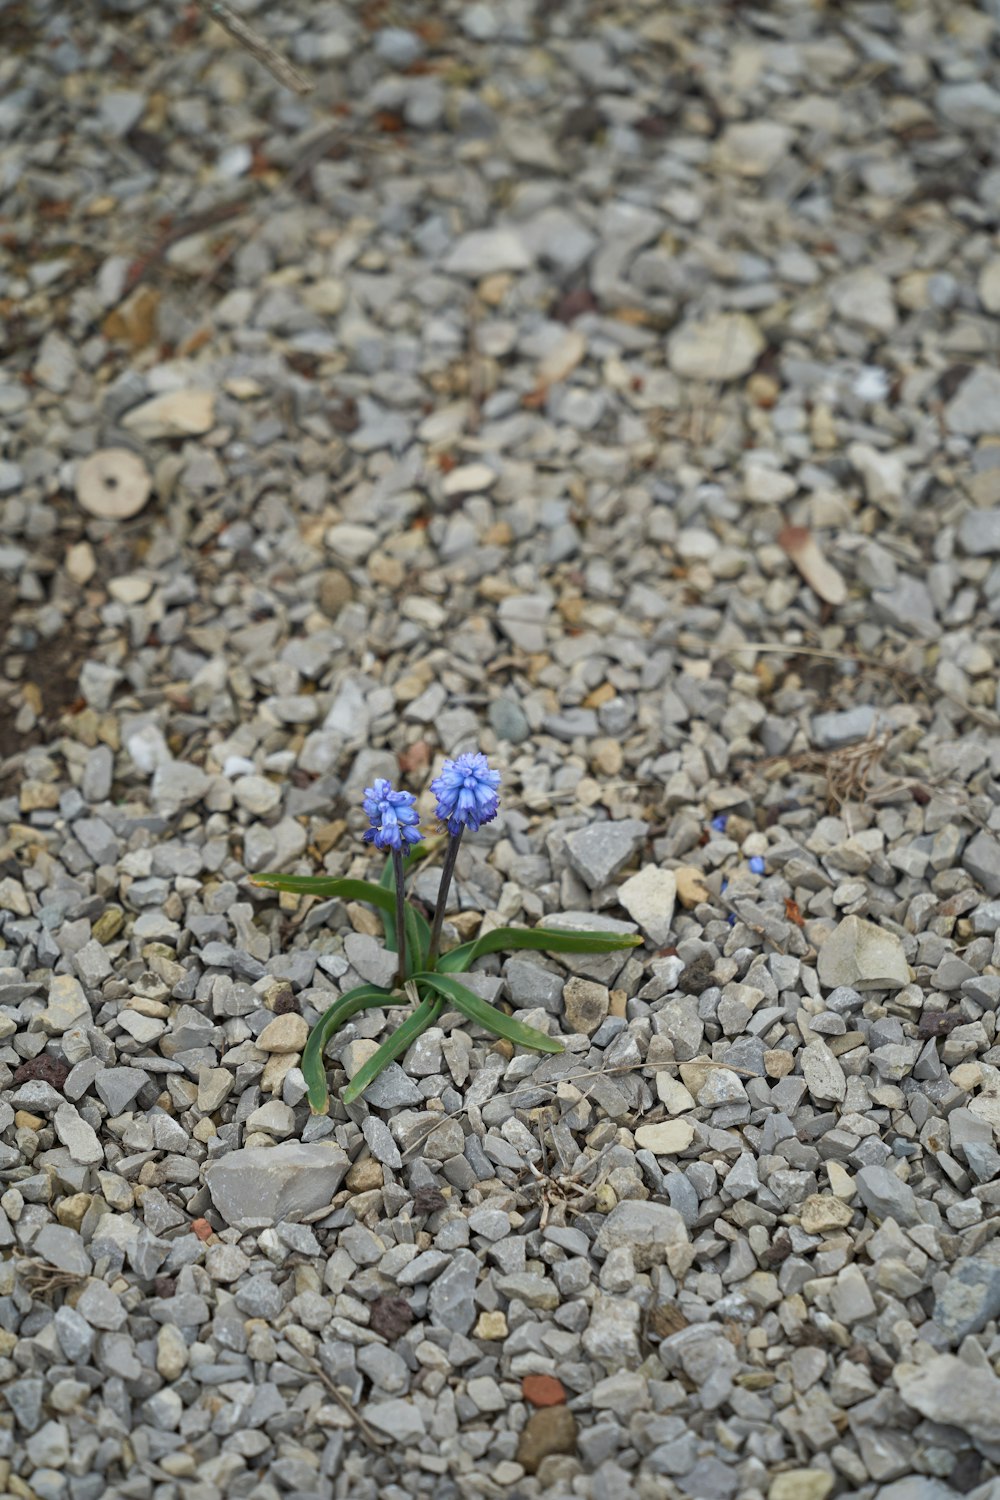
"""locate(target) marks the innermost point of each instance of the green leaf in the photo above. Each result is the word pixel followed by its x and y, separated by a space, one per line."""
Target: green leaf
pixel 549 939
pixel 364 997
pixel 403 1037
pixel 387 884
pixel 328 885
pixel 487 1015
pixel 418 938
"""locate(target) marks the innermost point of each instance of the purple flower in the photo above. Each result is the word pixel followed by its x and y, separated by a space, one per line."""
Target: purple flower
pixel 392 815
pixel 466 792
pixel 719 822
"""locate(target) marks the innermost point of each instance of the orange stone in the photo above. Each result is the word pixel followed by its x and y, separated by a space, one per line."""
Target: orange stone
pixel 202 1228
pixel 543 1390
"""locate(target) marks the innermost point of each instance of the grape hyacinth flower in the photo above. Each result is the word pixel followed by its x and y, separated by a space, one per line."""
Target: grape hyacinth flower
pixel 467 797
pixel 394 819
pixel 393 816
pixel 466 793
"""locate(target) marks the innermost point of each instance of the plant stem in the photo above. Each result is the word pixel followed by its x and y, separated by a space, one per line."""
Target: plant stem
pixel 397 870
pixel 448 870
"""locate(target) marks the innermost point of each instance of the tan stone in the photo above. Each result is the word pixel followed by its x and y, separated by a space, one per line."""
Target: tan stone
pixel 666 1139
pixel 287 1033
pixel 822 1212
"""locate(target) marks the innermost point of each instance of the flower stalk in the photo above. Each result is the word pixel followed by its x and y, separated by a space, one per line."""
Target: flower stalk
pixel 397 870
pixel 447 871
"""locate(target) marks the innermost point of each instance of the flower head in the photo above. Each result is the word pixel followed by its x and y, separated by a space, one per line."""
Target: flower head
pixel 393 816
pixel 466 792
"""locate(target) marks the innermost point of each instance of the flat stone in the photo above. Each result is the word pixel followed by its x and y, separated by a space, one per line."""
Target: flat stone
pixel 752 148
pixel 864 957
pixel 113 484
pixel 118 1087
pixel 823 1074
pixel 719 348
pixel 452 1295
pixel 970 1297
pixel 484 252
pixel 586 1005
pixel 981 858
pixel 176 414
pixel 647 1229
pixel 954 1393
pixel 831 731
pixel 257 1187
pixel 649 898
pixel 864 298
pixel 79 1138
pixel 599 851
pixel 886 1196
pixel 67 1006
pixel 287 1033
pixel 801 1484
pixel 667 1139
pixel 62 1247
pixel 548 1431
pixel 974 410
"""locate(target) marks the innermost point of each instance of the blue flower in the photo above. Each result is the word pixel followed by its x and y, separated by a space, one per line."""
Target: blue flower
pixel 393 816
pixel 466 792
pixel 719 822
pixel 756 863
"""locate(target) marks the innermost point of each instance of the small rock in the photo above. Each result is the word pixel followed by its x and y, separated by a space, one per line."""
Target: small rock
pixel 484 252
pixel 719 348
pixel 259 1186
pixel 668 1139
pixel 863 957
pixel 801 1484
pixel 586 1005
pixel 981 858
pixel 599 851
pixel 886 1196
pixel 551 1429
pixel 970 1298
pixel 974 410
pixel 287 1033
pixel 649 898
pixel 648 1230
pixel 67 1005
pixel 176 414
pixel 953 1393
pixel 113 483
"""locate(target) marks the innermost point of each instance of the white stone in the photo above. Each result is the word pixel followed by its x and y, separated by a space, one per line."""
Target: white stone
pixel 113 483
pixel 862 956
pixel 483 252
pixel 751 148
pixel 666 1139
pixel 176 414
pixel 649 898
pixel 719 348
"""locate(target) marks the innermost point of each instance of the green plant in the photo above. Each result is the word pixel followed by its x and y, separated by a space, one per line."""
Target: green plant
pixel 466 793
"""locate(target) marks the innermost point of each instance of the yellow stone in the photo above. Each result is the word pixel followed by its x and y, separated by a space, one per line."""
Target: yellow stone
pixel 39 796
pixel 841 1181
pixel 276 1069
pixel 26 1121
pixel 365 1175
pixel 821 1211
pixel 778 1064
pixel 109 924
pixel 665 1139
pixel 691 887
pixel 70 1211
pixel 491 1325
pixel 606 756
pixel 801 1484
pixel 967 1076
pixel 287 1033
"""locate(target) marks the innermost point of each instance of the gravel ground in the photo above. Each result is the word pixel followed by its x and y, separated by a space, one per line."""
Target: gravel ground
pixel 612 388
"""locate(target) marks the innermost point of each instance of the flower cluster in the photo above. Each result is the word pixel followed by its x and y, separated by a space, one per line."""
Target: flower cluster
pixel 393 816
pixel 466 793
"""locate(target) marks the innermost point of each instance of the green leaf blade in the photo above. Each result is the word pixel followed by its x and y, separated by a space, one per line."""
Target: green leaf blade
pixel 476 1009
pixel 401 1040
pixel 363 997
pixel 544 939
pixel 326 886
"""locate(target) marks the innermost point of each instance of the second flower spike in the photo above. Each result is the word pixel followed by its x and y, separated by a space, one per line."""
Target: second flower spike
pixel 466 792
pixel 393 816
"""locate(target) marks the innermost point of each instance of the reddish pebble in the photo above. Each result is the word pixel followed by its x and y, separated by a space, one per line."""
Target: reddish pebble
pixel 543 1390
pixel 202 1228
